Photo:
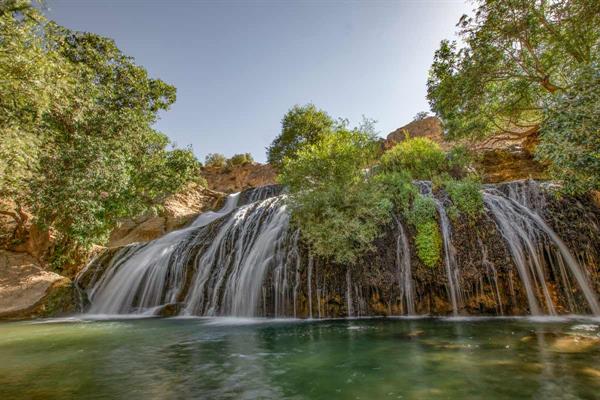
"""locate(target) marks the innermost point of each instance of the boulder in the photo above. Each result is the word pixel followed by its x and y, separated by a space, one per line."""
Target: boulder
pixel 239 177
pixel 179 210
pixel 26 290
pixel 428 127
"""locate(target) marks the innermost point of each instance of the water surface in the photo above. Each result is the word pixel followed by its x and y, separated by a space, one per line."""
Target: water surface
pixel 286 359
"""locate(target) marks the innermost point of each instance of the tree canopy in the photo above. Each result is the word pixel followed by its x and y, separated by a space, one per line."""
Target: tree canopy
pixel 300 125
pixel 513 59
pixel 78 147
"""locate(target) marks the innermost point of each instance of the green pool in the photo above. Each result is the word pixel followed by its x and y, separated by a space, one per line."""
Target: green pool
pixel 332 359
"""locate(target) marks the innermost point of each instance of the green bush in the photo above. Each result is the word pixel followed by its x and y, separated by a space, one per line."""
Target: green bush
pixel 397 187
pixel 429 243
pixel 240 159
pixel 215 160
pixel 422 216
pixel 421 157
pixel 466 196
pixel 333 200
pixel 301 125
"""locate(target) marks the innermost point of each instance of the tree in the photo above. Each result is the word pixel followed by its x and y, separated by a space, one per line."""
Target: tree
pixel 515 54
pixel 338 209
pixel 300 125
pixel 215 160
pixel 77 143
pixel 570 135
pixel 421 115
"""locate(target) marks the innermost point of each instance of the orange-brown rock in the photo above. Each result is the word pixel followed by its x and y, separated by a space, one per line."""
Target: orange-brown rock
pixel 179 209
pixel 240 177
pixel 428 127
pixel 28 290
pixel 508 164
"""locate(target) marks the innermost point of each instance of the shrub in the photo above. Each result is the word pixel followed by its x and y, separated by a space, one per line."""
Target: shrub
pixel 459 159
pixel 466 196
pixel 397 187
pixel 421 157
pixel 428 241
pixel 334 202
pixel 215 160
pixel 240 159
pixel 301 125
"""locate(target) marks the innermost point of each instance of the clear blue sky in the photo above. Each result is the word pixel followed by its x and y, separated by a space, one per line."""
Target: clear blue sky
pixel 240 65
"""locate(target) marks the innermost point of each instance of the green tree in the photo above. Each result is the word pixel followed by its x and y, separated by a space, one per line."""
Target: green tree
pixel 240 159
pixel 570 135
pixel 300 125
pixel 421 157
pixel 77 144
pixel 332 200
pixel 215 160
pixel 515 54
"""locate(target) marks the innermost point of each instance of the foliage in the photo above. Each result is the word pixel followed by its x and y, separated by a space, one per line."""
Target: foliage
pixel 466 196
pixel 421 115
pixel 420 157
pixel 397 187
pixel 240 159
pixel 428 241
pixel 332 200
pixel 215 160
pixel 300 125
pixel 570 136
pixel 78 146
pixel 515 54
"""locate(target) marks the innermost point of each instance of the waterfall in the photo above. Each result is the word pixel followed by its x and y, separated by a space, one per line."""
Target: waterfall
pixel 149 274
pixel 404 269
pixel 246 260
pixel 452 271
pixel 526 234
pixel 350 309
pixel 227 263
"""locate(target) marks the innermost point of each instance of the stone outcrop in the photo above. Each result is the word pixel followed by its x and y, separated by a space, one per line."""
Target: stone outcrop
pixel 497 161
pixel 428 127
pixel 179 209
pixel 240 177
pixel 27 290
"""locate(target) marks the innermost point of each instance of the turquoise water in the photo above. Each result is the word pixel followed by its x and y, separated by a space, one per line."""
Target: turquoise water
pixel 337 359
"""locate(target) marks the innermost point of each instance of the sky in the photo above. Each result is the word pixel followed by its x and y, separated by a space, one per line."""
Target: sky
pixel 238 66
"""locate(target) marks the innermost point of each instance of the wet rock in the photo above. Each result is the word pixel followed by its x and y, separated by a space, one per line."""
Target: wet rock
pixel 575 344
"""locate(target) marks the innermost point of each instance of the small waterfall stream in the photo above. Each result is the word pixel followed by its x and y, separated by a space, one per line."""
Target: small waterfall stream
pixel 246 260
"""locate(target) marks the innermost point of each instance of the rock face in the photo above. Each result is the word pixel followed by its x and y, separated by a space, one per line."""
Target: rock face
pixel 501 162
pixel 238 178
pixel 179 209
pixel 428 127
pixel 510 163
pixel 27 290
pixel 517 258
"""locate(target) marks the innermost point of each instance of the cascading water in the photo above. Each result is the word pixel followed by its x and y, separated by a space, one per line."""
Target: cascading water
pixel 527 235
pixel 245 260
pixel 404 269
pixel 452 271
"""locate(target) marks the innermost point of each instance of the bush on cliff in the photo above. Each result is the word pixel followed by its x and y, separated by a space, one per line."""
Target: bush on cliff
pixel 422 158
pixel 423 216
pixel 340 212
pixel 301 125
